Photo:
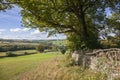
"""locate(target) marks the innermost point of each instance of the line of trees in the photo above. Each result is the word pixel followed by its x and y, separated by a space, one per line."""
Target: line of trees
pixel 16 47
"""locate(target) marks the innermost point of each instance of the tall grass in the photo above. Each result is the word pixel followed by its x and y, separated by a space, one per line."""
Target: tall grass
pixel 56 69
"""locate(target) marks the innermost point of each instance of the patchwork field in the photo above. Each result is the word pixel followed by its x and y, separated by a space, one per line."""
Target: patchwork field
pixel 11 67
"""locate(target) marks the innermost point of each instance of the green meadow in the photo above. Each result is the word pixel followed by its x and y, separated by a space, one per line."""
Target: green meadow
pixel 11 67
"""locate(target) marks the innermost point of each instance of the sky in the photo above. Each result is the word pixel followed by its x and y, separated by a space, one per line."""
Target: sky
pixel 10 27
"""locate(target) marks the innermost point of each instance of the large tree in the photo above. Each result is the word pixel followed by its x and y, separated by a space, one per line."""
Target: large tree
pixel 78 19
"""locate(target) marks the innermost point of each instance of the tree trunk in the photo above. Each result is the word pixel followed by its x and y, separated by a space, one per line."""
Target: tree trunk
pixel 81 16
pixel 83 22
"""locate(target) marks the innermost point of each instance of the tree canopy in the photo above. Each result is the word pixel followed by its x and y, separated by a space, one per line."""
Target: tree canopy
pixel 81 20
pixel 4 4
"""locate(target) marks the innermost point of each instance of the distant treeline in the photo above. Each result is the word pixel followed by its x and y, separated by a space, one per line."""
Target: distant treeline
pixel 5 48
pixel 30 41
pixel 14 45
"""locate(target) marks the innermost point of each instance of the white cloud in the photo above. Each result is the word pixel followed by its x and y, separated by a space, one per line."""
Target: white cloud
pixel 2 30
pixel 15 30
pixel 19 29
pixel 25 29
pixel 35 32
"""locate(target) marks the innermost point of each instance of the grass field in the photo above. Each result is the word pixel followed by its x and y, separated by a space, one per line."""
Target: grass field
pixel 11 67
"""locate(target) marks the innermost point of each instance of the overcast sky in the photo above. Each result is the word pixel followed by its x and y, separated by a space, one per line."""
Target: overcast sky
pixel 10 27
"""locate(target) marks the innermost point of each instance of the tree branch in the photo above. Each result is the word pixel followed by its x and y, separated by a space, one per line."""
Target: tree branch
pixel 66 31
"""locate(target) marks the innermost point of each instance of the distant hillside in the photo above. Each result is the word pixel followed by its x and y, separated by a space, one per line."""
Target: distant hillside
pixel 22 41
pixel 14 40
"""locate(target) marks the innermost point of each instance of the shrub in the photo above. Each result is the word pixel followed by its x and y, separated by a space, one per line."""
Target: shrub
pixel 54 48
pixel 10 54
pixel 62 49
pixel 40 48
pixel 26 53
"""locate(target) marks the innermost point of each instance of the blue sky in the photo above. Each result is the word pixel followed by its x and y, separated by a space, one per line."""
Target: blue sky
pixel 10 27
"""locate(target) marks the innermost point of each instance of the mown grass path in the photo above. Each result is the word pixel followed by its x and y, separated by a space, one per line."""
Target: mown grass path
pixel 11 67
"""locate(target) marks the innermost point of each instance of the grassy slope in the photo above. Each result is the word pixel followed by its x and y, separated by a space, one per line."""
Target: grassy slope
pixel 10 67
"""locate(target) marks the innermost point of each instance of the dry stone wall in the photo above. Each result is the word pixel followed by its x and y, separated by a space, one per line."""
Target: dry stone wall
pixel 105 60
